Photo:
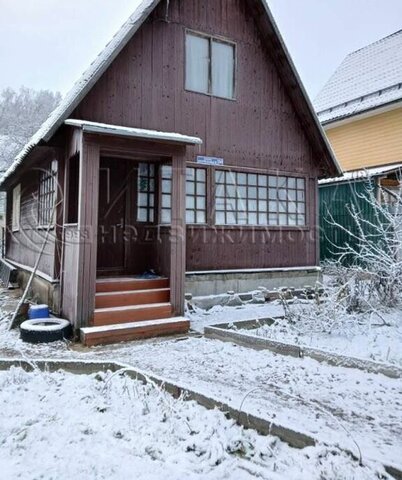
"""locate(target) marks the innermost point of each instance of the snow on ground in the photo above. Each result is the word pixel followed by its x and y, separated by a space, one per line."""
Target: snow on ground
pixel 221 314
pixel 365 339
pixel 110 427
pixel 334 404
pixel 362 336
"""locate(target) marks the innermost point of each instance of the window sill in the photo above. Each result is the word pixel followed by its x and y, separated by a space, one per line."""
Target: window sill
pixel 264 227
pixel 45 227
pixel 211 95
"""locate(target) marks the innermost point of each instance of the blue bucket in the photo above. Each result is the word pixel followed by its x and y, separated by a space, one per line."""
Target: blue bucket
pixel 38 311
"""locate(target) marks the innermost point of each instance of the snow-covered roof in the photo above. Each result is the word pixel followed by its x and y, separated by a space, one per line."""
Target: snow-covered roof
pixel 86 82
pixel 94 127
pixel 362 174
pixel 106 57
pixel 368 78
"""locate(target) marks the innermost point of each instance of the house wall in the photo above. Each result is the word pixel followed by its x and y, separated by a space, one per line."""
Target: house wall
pixel 260 129
pixel 23 246
pixel 368 142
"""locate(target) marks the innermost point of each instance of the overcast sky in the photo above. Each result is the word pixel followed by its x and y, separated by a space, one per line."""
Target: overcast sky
pixel 48 43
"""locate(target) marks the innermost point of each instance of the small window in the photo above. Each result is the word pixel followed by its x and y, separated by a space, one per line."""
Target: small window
pixel 196 195
pixel 15 222
pixel 210 65
pixel 196 199
pixel 258 199
pixel 47 194
pixel 146 193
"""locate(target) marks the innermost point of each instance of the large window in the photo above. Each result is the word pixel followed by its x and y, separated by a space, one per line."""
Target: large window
pixel 47 194
pixel 257 199
pixel 210 65
pixel 16 207
pixel 196 195
pixel 146 193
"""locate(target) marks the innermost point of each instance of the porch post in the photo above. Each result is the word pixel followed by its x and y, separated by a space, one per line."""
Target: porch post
pixel 178 235
pixel 88 231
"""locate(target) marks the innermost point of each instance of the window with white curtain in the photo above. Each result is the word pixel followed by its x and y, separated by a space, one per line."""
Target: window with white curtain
pixel 210 65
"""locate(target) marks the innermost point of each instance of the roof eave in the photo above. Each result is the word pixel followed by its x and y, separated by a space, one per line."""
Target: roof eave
pixel 139 133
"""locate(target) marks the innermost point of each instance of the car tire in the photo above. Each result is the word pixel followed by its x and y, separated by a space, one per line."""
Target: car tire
pixel 45 330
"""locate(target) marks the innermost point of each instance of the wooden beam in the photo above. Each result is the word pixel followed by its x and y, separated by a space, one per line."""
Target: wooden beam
pixel 178 235
pixel 88 230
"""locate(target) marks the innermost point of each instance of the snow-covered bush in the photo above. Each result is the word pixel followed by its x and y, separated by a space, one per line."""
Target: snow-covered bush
pixel 369 266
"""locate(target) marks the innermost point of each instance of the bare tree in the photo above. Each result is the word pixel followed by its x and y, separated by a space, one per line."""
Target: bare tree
pixel 21 114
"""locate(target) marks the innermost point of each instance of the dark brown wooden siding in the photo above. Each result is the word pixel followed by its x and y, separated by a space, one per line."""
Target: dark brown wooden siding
pixel 23 246
pixel 144 87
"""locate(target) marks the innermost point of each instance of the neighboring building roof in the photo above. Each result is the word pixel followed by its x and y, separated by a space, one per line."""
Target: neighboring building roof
pixel 367 79
pixel 362 174
pixel 94 127
pixel 120 40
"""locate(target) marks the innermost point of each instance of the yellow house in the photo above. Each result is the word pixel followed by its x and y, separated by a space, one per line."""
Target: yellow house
pixel 360 107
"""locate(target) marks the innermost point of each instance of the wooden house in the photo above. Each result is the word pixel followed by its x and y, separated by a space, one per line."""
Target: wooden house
pixel 185 159
pixel 360 109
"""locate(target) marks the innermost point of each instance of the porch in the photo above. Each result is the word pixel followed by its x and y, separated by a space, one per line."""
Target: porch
pixel 123 258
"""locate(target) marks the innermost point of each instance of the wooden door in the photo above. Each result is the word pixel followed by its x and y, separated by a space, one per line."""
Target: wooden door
pixel 113 186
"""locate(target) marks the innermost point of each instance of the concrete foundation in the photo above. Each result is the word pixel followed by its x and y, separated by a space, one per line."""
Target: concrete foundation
pixel 41 291
pixel 220 282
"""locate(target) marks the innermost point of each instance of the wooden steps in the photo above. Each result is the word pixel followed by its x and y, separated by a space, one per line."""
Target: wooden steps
pixel 104 335
pixel 131 297
pixel 129 308
pixel 131 313
pixel 121 284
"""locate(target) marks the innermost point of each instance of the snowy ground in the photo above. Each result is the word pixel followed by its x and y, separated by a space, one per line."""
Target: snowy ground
pixel 201 318
pixel 338 406
pixel 366 339
pixel 123 429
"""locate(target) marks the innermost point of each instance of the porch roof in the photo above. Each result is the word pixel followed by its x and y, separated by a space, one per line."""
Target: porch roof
pixel 155 135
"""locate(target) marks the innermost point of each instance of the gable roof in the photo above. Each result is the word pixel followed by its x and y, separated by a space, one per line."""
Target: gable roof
pixel 120 40
pixel 368 78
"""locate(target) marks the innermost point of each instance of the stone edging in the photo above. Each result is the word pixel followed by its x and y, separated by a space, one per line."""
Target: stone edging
pixel 223 332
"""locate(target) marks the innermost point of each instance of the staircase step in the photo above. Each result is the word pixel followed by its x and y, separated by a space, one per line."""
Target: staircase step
pixel 132 313
pixel 121 284
pixel 131 297
pixel 104 335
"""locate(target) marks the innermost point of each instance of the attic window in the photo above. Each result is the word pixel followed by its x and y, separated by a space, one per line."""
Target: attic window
pixel 210 65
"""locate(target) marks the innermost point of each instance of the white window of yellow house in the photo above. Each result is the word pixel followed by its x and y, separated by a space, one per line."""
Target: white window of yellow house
pixel 16 207
pixel 210 65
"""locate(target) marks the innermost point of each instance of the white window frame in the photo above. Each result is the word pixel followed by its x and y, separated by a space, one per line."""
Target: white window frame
pixel 166 195
pixel 272 200
pixel 16 208
pixel 211 39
